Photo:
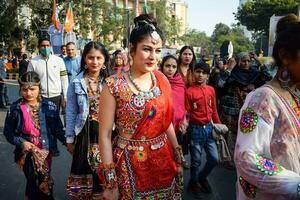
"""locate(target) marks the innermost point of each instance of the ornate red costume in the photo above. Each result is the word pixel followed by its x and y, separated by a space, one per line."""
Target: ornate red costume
pixel 145 163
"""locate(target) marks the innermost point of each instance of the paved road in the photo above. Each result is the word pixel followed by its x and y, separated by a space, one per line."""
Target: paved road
pixel 12 181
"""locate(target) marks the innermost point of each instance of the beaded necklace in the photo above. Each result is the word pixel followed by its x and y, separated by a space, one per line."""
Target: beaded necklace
pixel 92 81
pixel 147 95
pixel 93 95
pixel 34 113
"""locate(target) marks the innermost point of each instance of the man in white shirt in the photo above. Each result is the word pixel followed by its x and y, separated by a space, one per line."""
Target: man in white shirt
pixel 54 82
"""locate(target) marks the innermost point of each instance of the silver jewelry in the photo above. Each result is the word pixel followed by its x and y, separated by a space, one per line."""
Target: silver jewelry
pixel 284 79
pixel 147 95
pixel 155 36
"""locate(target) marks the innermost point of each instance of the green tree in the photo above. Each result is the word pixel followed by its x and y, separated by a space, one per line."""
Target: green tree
pixel 12 31
pixel 220 29
pixel 255 14
pixel 235 34
pixel 197 39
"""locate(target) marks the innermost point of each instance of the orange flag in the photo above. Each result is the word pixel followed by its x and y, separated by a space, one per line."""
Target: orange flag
pixel 54 18
pixel 69 23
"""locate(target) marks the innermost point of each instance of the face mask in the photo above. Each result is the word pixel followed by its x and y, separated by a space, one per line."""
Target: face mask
pixel 45 52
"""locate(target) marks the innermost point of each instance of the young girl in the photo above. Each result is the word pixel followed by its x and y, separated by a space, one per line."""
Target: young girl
pixel 169 68
pixel 82 124
pixel 25 127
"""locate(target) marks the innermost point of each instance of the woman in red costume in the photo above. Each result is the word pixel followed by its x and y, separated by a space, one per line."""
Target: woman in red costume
pixel 144 161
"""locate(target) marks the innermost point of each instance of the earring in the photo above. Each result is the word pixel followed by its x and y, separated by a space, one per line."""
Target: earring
pixel 284 79
pixel 85 66
pixel 103 67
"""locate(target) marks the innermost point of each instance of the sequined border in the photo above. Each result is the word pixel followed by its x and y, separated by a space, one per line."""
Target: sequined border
pixel 268 166
pixel 248 188
pixel 249 120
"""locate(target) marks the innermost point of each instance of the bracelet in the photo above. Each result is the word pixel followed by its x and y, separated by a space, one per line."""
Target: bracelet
pixel 178 156
pixel 107 174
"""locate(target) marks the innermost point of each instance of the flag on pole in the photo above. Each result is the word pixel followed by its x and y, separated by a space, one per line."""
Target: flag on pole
pixel 69 23
pixel 54 18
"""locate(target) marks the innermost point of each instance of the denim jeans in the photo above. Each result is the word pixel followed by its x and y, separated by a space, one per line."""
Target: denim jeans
pixel 201 138
pixel 51 107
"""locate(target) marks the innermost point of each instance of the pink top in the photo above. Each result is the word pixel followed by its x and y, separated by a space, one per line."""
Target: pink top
pixel 29 125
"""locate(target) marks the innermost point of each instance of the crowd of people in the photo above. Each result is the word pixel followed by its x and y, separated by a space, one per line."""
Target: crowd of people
pixel 130 119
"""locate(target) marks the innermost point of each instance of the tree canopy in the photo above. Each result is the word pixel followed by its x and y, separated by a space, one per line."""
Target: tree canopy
pixel 101 19
pixel 255 14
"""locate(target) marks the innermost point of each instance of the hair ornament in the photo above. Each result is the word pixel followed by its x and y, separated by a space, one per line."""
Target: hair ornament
pixel 29 84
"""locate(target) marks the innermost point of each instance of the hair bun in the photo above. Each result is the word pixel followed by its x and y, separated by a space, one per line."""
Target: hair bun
pixel 144 19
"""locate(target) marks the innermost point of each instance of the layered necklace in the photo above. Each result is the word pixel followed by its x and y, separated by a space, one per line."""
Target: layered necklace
pixel 93 94
pixel 34 113
pixel 93 87
pixel 147 95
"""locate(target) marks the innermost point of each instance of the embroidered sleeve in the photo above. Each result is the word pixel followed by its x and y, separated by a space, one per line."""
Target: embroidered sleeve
pixel 248 120
pixel 253 159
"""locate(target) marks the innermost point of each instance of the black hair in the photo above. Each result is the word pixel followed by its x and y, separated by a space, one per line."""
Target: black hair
pixel 62 46
pixel 167 57
pixel 100 47
pixel 203 66
pixel 287 40
pixel 24 56
pixel 43 35
pixel 192 64
pixel 116 52
pixel 30 76
pixel 284 22
pixel 69 43
pixel 145 25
